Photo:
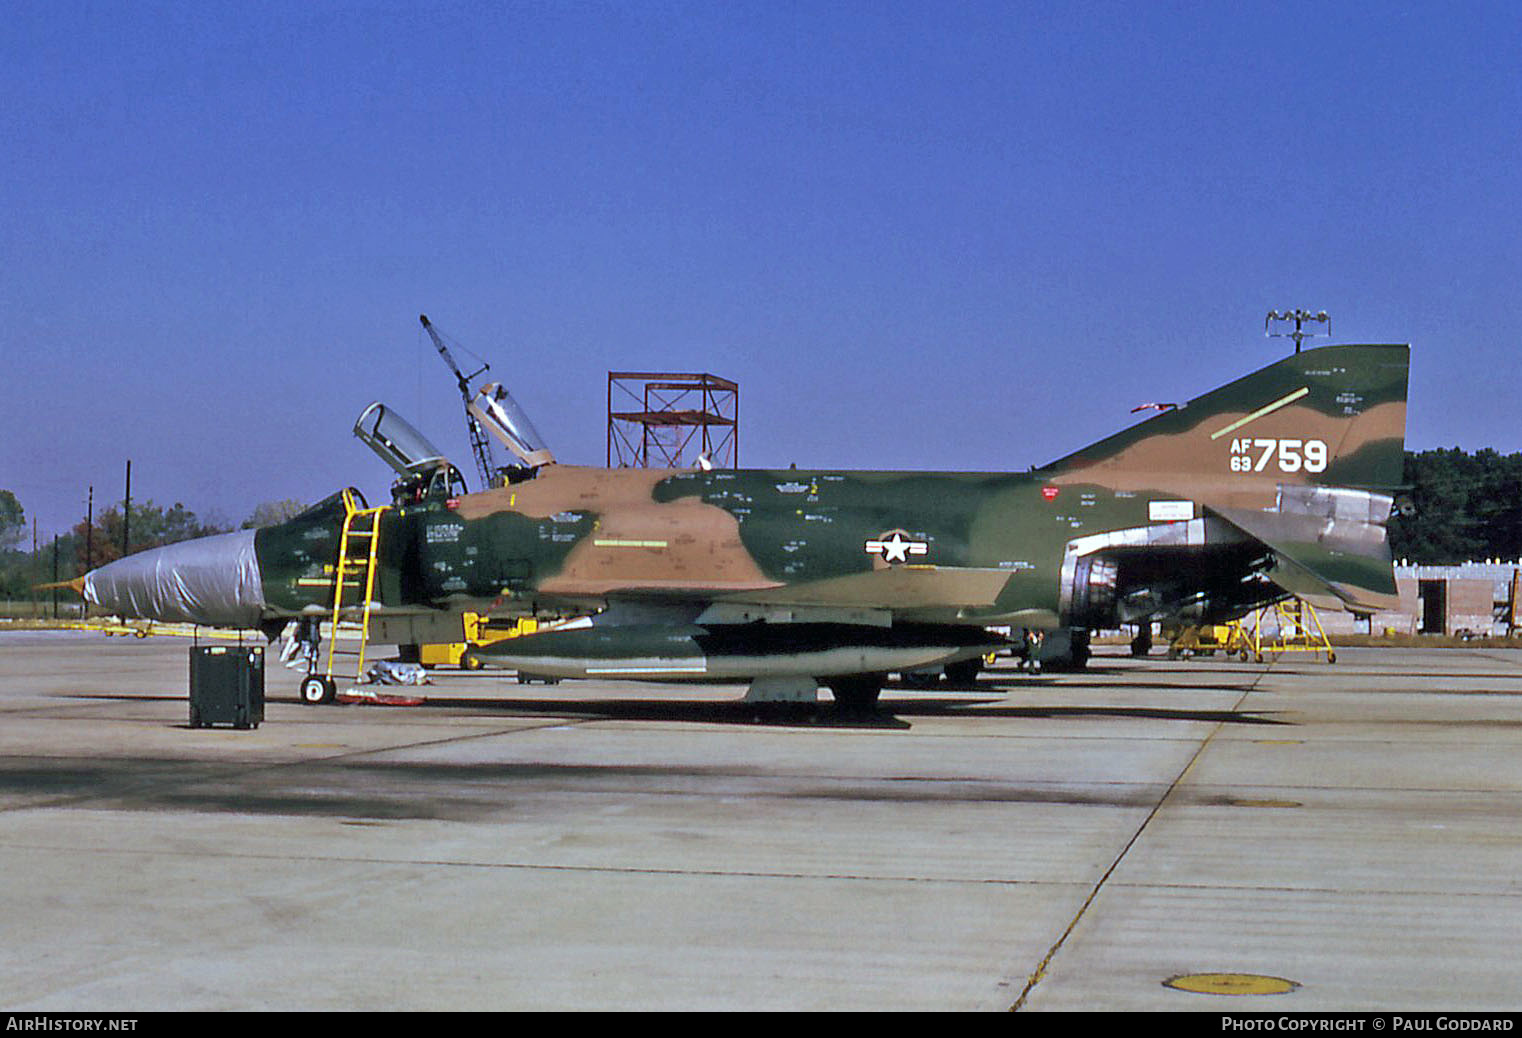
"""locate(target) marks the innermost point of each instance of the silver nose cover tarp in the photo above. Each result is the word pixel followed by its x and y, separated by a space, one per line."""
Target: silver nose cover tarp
pixel 210 580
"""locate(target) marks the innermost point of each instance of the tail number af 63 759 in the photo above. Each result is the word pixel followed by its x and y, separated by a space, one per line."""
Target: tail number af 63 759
pixel 1255 455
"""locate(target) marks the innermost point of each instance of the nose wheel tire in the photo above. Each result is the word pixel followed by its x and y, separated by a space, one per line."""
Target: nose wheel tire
pixel 315 688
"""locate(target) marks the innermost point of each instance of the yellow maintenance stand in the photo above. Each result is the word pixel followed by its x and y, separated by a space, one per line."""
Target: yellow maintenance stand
pixel 1297 628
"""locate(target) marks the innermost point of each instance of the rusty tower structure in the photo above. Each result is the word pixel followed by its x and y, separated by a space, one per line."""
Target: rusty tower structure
pixel 672 420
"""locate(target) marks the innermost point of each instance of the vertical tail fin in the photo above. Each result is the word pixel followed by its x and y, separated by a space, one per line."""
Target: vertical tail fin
pixel 1334 416
pixel 1303 456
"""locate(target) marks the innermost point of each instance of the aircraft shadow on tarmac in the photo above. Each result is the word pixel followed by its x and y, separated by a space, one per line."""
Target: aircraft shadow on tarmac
pixel 891 713
pixel 980 699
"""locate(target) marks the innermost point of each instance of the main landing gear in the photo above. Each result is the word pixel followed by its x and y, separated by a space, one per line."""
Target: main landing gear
pixel 856 693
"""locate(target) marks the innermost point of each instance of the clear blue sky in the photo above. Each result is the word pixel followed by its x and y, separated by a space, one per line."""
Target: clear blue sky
pixel 938 235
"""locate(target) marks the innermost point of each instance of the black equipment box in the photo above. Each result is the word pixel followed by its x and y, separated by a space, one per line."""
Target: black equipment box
pixel 226 686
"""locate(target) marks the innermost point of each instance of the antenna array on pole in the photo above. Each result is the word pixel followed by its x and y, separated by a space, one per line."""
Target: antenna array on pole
pixel 1299 317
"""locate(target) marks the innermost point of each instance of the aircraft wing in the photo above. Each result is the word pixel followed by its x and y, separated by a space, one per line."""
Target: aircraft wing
pixel 878 597
pixel 900 588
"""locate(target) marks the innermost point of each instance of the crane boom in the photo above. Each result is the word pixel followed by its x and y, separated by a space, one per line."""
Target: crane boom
pixel 438 344
pixel 480 445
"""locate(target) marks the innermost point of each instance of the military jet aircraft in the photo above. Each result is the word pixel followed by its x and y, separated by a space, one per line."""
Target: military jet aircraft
pixel 1278 483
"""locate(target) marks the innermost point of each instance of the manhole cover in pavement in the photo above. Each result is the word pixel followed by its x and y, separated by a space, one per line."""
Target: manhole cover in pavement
pixel 1230 984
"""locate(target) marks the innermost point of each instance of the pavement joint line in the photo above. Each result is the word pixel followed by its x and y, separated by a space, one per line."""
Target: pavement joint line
pixel 1039 972
pixel 1341 891
pixel 550 867
pixel 424 743
pixel 748 873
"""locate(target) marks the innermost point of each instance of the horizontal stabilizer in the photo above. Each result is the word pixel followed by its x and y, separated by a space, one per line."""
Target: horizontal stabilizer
pixel 1329 544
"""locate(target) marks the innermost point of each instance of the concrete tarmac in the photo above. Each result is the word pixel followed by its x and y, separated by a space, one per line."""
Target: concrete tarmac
pixel 1052 842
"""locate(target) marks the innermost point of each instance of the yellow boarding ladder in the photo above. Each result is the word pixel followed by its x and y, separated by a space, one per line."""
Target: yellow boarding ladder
pixel 357 549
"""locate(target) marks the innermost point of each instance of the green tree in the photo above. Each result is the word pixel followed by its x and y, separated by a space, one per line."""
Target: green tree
pixel 13 563
pixel 12 520
pixel 151 526
pixel 1468 506
pixel 272 512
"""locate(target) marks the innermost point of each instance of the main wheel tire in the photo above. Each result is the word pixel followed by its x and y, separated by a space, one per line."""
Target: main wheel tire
pixel 856 692
pixel 964 672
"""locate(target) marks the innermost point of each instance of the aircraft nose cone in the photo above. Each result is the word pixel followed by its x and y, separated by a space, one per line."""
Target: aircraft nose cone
pixel 210 580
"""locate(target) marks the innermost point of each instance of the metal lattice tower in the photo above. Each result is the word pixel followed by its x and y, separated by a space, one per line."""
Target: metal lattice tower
pixel 672 420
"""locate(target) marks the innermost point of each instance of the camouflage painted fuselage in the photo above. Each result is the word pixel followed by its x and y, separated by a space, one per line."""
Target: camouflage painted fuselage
pixel 944 547
pixel 573 538
pixel 1277 483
